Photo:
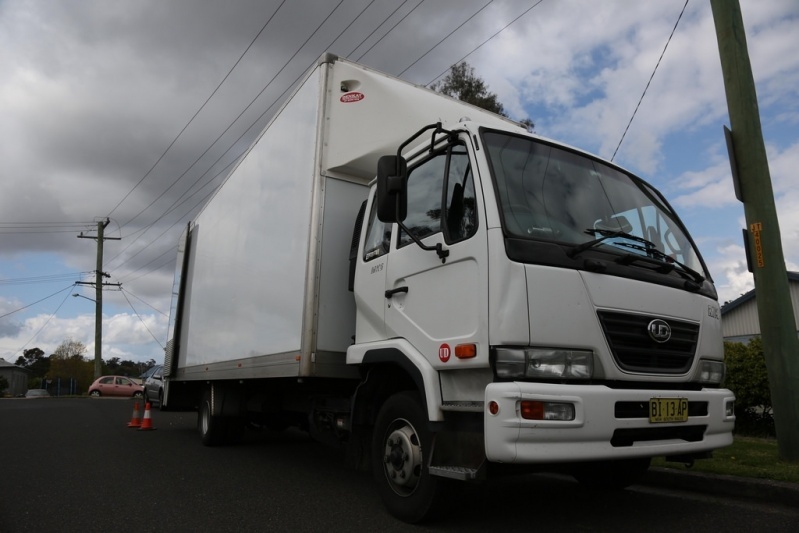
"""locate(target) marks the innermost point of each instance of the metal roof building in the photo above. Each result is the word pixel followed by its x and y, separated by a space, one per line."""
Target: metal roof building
pixel 17 378
pixel 739 319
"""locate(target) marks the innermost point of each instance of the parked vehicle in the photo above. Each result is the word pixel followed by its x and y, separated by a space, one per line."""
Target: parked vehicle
pixel 37 393
pixel 154 384
pixel 115 386
pixel 504 300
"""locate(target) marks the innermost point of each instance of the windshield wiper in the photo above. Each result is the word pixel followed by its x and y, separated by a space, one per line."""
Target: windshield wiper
pixel 666 263
pixel 608 234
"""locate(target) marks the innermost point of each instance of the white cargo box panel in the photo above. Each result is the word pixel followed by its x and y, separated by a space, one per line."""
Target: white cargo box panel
pixel 266 283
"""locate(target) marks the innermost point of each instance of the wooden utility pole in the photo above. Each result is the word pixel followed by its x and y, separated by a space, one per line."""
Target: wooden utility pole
pixel 98 300
pixel 750 168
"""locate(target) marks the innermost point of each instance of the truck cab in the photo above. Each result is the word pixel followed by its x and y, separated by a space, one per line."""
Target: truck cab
pixel 548 298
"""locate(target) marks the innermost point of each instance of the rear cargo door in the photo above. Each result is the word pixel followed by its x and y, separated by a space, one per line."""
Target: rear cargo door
pixel 438 304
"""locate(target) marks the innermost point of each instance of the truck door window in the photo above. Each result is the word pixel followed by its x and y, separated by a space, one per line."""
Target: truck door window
pixel 378 236
pixel 441 198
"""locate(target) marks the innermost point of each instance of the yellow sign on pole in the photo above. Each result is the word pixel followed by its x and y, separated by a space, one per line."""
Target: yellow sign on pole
pixel 756 228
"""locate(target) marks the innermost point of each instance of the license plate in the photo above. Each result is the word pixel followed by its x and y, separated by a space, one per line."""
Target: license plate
pixel 668 410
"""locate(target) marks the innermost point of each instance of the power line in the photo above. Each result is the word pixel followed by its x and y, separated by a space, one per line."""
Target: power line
pixel 390 30
pixel 445 38
pixel 48 318
pixel 36 302
pixel 141 320
pixel 240 114
pixel 197 112
pixel 145 303
pixel 379 26
pixel 650 80
pixel 49 278
pixel 235 160
pixel 484 42
pixel 274 102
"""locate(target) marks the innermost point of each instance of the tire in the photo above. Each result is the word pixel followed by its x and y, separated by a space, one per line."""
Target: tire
pixel 138 395
pixel 95 394
pixel 400 442
pixel 611 475
pixel 212 428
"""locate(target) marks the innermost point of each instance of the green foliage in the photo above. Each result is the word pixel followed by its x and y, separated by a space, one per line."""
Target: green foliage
pixel 37 364
pixel 462 83
pixel 747 457
pixel 3 384
pixel 747 377
pixel 67 361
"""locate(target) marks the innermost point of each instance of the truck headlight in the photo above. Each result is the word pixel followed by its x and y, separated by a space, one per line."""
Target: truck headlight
pixel 711 372
pixel 543 363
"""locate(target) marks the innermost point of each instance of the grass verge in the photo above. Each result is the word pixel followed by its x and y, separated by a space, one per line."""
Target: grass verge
pixel 747 457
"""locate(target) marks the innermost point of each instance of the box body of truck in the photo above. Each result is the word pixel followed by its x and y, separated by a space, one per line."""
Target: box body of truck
pixel 493 298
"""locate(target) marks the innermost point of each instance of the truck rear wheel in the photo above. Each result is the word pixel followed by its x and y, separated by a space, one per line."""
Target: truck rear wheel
pixel 213 428
pixel 613 475
pixel 400 443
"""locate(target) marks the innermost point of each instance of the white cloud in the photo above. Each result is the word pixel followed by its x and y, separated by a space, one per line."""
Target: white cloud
pixel 124 336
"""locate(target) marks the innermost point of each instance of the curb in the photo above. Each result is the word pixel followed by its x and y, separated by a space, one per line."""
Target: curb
pixel 716 484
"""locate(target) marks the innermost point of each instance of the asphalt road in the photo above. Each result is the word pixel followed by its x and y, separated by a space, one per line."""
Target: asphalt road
pixel 74 465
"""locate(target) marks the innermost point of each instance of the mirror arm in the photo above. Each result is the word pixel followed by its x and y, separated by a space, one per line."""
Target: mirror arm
pixel 438 248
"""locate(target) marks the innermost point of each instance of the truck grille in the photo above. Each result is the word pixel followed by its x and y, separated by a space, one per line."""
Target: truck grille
pixel 635 351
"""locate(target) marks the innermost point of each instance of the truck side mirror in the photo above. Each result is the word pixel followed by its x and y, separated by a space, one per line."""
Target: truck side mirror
pixel 392 188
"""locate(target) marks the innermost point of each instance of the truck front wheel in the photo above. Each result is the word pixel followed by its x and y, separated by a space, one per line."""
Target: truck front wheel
pixel 401 442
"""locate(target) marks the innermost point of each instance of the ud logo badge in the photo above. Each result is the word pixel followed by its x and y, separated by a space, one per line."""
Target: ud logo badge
pixel 659 330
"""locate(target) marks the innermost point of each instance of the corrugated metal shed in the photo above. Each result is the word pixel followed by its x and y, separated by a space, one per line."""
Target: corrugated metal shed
pixel 739 319
pixel 17 378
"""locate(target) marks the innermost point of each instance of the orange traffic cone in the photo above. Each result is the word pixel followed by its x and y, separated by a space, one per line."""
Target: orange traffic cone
pixel 135 420
pixel 147 423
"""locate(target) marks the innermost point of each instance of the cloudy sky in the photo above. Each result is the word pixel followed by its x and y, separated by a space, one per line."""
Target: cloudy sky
pixel 132 110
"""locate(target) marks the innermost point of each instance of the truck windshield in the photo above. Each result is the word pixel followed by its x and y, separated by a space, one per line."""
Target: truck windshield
pixel 551 194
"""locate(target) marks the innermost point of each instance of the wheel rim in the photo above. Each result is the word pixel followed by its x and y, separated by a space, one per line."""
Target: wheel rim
pixel 205 421
pixel 402 457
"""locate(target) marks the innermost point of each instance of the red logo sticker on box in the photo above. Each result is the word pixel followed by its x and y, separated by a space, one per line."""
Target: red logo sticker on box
pixel 352 97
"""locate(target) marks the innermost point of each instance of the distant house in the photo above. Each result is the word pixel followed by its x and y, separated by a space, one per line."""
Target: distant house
pixel 17 378
pixel 739 320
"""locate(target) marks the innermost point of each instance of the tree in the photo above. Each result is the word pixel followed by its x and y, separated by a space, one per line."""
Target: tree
pixel 462 83
pixel 69 349
pixel 747 377
pixel 68 362
pixel 3 384
pixel 37 364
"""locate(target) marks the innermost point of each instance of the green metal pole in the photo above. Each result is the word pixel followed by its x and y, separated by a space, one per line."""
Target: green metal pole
pixel 777 322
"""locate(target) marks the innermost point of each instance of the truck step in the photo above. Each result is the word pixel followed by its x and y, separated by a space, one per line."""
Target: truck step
pixel 462 473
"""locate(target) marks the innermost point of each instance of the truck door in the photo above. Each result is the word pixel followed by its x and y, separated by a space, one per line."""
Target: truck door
pixel 370 281
pixel 434 304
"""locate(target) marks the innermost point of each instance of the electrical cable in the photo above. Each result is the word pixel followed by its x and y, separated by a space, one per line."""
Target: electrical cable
pixel 142 320
pixel 279 98
pixel 237 118
pixel 650 81
pixel 484 42
pixel 36 302
pixel 50 278
pixel 179 201
pixel 390 30
pixel 378 27
pixel 198 111
pixel 445 38
pixel 145 303
pixel 47 321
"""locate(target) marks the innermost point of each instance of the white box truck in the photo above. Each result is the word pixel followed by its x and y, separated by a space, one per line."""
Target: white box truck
pixel 490 301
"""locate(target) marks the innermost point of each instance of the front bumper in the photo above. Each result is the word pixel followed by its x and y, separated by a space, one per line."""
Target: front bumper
pixel 599 430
